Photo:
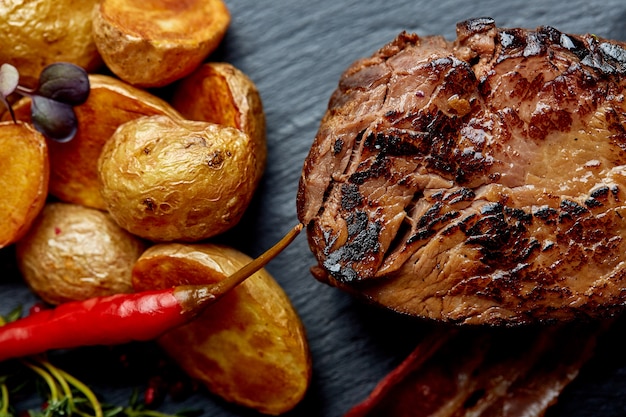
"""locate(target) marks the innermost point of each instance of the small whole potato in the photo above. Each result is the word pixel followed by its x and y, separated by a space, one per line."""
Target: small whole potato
pixel 168 179
pixel 73 253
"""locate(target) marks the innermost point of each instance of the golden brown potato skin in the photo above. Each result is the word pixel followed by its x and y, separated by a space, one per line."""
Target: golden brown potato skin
pixel 169 179
pixel 74 165
pixel 74 253
pixel 24 178
pixel 36 33
pixel 250 348
pixel 218 92
pixel 155 42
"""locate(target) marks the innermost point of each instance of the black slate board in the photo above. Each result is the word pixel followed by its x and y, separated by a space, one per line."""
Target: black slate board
pixel 295 51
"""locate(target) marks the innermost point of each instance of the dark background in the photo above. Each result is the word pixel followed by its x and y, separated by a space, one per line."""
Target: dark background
pixel 295 51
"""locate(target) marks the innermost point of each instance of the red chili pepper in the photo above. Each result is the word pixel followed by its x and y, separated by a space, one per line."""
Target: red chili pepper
pixel 37 307
pixel 121 318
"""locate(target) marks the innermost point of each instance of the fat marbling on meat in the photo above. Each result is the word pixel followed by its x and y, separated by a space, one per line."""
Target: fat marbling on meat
pixel 479 180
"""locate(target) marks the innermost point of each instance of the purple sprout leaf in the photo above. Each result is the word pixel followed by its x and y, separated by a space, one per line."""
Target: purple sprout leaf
pixel 54 119
pixel 64 82
pixel 9 79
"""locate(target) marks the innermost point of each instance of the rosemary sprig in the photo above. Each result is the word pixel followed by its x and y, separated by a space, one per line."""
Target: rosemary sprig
pixel 4 399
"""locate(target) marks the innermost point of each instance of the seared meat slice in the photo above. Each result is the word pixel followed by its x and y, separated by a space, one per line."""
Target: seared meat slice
pixel 476 181
pixel 505 372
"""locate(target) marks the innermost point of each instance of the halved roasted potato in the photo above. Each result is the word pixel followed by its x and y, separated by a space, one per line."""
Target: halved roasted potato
pixel 220 93
pixel 155 42
pixel 250 348
pixel 24 174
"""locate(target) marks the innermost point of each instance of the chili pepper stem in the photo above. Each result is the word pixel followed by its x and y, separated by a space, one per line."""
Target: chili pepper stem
pixel 201 296
pixel 238 277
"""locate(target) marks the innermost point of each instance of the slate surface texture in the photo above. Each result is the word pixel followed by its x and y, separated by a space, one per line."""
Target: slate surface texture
pixel 295 51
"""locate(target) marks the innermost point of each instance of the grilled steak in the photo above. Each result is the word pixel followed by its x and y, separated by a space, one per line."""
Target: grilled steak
pixel 480 180
pixel 484 372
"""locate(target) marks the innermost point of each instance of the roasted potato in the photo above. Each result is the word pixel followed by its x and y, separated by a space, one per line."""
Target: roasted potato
pixel 250 348
pixel 36 33
pixel 74 253
pixel 170 179
pixel 74 165
pixel 218 92
pixel 24 174
pixel 155 42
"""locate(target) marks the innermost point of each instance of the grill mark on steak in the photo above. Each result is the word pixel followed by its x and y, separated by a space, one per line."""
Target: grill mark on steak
pixel 479 180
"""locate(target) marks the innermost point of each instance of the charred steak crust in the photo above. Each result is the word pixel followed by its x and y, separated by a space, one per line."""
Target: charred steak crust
pixel 475 181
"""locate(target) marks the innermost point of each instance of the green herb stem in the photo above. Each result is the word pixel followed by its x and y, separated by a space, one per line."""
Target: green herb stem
pixel 144 413
pixel 4 400
pixel 52 386
pixel 56 373
pixel 85 390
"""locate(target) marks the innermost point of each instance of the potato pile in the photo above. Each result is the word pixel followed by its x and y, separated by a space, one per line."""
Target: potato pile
pixel 131 202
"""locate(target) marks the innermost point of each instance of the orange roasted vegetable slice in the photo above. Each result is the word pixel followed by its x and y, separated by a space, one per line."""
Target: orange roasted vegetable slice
pixel 24 174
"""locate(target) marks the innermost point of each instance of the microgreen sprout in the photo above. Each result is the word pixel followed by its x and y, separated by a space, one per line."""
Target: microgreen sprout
pixel 9 80
pixel 61 86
